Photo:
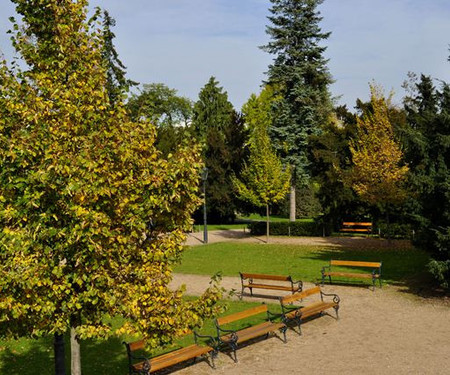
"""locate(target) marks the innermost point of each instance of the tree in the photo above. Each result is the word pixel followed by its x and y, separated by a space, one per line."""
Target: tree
pixel 117 84
pixel 162 106
pixel 301 78
pixel 263 180
pixel 222 133
pixel 91 217
pixel 377 174
pixel 427 149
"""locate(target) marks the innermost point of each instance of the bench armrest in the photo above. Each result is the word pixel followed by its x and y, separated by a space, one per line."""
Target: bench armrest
pixel 299 282
pixel 271 315
pixel 212 339
pixel 336 298
pixel 324 268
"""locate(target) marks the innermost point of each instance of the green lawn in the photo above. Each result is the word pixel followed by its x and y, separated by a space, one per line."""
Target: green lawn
pixel 301 262
pixel 35 356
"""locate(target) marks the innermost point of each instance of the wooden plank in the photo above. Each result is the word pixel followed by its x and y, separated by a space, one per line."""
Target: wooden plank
pixel 356 275
pixel 356 224
pixel 178 356
pixel 136 345
pixel 265 277
pixel 242 314
pixel 298 296
pixel 352 263
pixel 355 230
pixel 265 286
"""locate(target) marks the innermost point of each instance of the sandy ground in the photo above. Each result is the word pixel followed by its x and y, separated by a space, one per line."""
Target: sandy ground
pixel 388 331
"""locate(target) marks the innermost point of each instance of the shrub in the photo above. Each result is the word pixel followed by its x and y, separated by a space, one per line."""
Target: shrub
pixel 284 228
pixel 395 231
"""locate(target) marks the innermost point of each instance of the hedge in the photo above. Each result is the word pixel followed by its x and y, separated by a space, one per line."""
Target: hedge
pixel 284 228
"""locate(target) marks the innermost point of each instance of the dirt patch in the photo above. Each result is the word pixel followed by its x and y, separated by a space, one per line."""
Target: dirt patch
pixel 380 332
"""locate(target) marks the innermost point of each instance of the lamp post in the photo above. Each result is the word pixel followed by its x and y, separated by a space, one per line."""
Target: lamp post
pixel 205 227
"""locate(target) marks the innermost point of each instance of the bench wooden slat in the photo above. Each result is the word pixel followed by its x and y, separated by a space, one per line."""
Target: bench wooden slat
pixel 356 275
pixel 352 263
pixel 242 314
pixel 355 230
pixel 137 345
pixel 178 356
pixel 311 310
pixel 351 223
pixel 267 286
pixel 265 277
pixel 298 296
pixel 254 331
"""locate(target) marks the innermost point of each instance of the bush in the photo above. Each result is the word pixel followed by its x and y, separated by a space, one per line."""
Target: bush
pixel 285 228
pixel 395 231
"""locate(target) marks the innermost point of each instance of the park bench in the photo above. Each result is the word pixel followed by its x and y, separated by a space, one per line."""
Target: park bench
pixel 356 227
pixel 297 314
pixel 232 338
pixel 138 364
pixel 271 282
pixel 375 273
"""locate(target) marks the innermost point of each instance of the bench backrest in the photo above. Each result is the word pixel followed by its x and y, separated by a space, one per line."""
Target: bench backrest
pixel 136 345
pixel 356 224
pixel 352 263
pixel 298 296
pixel 264 277
pixel 241 315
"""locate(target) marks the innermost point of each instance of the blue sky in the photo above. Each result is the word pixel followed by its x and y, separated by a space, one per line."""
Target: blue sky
pixel 183 42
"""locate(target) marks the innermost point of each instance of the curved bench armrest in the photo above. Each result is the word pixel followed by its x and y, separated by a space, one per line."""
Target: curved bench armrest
pixel 336 298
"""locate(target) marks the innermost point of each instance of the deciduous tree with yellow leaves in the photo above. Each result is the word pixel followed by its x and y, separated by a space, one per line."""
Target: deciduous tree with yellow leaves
pixel 378 174
pixel 92 218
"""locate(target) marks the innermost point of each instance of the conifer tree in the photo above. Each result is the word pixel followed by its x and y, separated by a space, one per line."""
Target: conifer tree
pixel 301 78
pixel 80 185
pixel 221 131
pixel 117 84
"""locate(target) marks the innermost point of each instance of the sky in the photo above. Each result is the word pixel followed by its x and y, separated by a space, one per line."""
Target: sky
pixel 182 43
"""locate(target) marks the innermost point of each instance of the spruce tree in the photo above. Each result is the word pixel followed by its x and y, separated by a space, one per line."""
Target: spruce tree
pixel 301 78
pixel 117 84
pixel 221 132
pixel 427 144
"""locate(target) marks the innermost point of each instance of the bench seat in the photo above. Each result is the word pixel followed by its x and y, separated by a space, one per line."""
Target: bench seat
pixel 248 281
pixel 374 274
pixel 267 286
pixel 293 313
pixel 232 338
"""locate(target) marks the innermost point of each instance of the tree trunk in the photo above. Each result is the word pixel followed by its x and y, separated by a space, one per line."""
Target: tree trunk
pixel 292 205
pixel 75 357
pixel 267 223
pixel 58 346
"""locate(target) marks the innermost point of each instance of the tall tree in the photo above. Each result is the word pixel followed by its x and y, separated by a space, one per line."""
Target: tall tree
pixel 163 107
pixel 80 185
pixel 117 84
pixel 263 180
pixel 378 174
pixel 222 133
pixel 427 146
pixel 301 78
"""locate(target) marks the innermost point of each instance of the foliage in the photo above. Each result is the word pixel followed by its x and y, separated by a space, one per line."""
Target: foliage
pixel 162 106
pixel 281 228
pixel 116 82
pixel 427 148
pixel 222 134
pixel 377 174
pixel 300 78
pixel 92 218
pixel 263 180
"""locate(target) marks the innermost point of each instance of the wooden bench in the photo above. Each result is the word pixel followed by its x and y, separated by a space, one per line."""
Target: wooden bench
pixel 140 365
pixel 295 313
pixel 375 273
pixel 248 281
pixel 232 338
pixel 356 227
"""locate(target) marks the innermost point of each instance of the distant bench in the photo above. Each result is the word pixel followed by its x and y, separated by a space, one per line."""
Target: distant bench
pixel 232 337
pixel 375 273
pixel 356 227
pixel 263 281
pixel 297 314
pixel 140 365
